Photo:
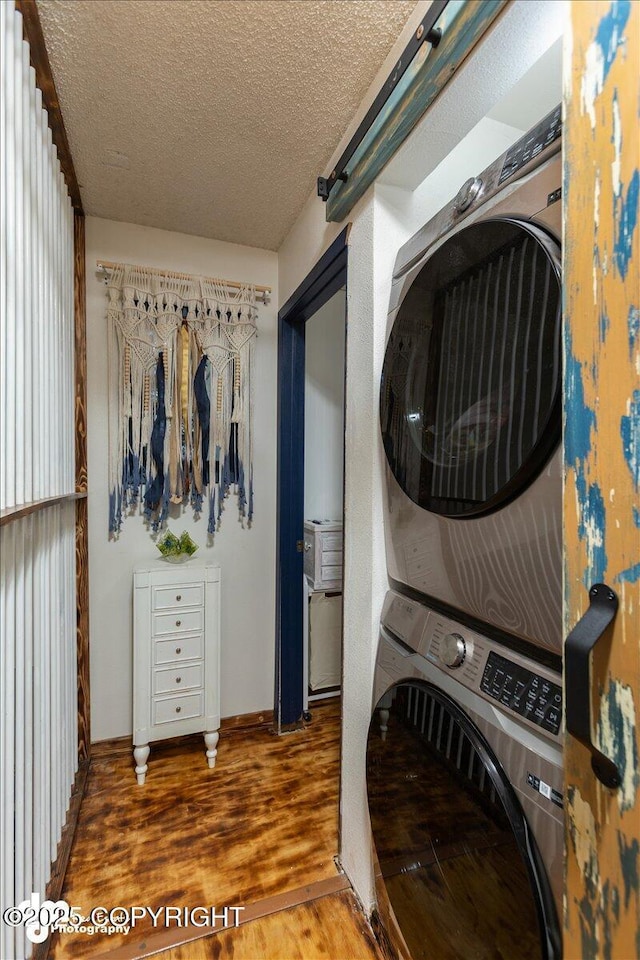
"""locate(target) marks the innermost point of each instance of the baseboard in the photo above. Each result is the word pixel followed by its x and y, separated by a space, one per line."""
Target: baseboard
pixel 229 726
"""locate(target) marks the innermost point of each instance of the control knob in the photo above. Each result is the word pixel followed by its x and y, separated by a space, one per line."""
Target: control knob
pixel 453 650
pixel 467 193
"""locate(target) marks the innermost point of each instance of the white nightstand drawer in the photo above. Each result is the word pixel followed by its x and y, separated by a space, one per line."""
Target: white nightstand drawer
pixel 187 621
pixel 177 650
pixel 178 708
pixel 186 596
pixel 331 574
pixel 331 558
pixel 188 677
pixel 332 541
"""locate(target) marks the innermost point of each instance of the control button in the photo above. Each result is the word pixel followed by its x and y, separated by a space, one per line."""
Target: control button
pixel 453 650
pixel 553 718
pixel 557 697
pixel 467 193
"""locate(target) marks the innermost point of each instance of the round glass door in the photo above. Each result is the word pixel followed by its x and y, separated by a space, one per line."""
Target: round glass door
pixel 454 853
pixel 470 392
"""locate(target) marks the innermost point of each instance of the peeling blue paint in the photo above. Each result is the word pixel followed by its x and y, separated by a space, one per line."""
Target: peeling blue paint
pixel 625 212
pixel 615 725
pixel 615 903
pixel 604 910
pixel 630 434
pixel 591 529
pixel 630 575
pixel 636 516
pixel 588 928
pixel 605 323
pixel 629 863
pixel 633 324
pixel 609 35
pixel 578 427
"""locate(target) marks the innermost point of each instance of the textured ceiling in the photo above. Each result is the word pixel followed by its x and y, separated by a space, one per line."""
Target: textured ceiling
pixel 211 117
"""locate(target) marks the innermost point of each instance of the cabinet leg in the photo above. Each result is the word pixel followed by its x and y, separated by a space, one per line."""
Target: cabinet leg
pixel 211 741
pixel 140 755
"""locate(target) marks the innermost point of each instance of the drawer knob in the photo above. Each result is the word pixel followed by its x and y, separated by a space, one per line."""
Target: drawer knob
pixel 178 622
pixel 178 709
pixel 178 679
pixel 179 597
pixel 178 649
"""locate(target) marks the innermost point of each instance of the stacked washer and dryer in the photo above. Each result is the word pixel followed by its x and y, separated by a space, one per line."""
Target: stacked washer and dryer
pixel 464 754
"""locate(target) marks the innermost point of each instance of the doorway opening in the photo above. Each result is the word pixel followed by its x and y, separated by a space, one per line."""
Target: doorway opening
pixel 326 280
pixel 325 345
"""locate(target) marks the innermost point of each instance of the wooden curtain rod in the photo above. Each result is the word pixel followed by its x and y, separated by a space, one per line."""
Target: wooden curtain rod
pixel 263 293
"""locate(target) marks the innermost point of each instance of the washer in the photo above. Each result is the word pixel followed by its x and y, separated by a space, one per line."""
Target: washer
pixel 464 781
pixel 470 402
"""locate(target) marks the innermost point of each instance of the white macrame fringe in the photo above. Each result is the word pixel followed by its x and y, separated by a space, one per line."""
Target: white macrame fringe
pixel 145 314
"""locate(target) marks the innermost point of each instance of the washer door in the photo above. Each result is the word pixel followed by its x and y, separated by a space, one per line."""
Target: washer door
pixel 470 393
pixel 455 857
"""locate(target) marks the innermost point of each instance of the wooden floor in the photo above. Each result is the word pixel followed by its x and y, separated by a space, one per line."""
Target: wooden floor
pixel 261 825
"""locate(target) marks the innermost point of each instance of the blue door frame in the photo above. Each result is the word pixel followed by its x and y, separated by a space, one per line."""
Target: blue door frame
pixel 326 278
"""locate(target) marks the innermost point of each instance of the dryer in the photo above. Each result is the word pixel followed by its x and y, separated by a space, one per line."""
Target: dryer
pixel 464 782
pixel 470 401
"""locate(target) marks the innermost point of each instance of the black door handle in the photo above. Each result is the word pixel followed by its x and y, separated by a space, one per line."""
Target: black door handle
pixel 603 606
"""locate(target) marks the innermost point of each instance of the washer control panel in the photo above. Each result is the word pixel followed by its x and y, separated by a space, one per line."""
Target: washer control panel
pixel 528 694
pixel 453 650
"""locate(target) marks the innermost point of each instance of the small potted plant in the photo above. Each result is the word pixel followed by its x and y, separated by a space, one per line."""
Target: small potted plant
pixel 176 549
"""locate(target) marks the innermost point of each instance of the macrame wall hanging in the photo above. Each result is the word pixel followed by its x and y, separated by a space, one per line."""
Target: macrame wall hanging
pixel 181 369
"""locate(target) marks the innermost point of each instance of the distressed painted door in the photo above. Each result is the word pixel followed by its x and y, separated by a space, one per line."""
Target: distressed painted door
pixel 602 454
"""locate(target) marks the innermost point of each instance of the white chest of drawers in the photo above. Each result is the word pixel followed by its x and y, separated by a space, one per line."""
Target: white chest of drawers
pixel 176 657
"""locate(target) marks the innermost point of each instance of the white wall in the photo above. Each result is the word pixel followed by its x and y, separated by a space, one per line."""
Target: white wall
pixel 384 219
pixel 246 556
pixel 324 410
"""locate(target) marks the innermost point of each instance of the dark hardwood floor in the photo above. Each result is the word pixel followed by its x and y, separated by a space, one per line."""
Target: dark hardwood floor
pixel 260 828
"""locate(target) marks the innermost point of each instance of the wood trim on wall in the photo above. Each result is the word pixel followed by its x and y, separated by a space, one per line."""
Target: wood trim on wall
pixel 241 724
pixel 32 30
pixel 36 506
pixel 82 520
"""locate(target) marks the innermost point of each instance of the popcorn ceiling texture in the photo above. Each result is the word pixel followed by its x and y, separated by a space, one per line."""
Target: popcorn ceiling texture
pixel 226 109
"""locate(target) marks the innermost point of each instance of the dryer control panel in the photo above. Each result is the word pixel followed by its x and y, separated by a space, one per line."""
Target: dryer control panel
pixel 533 143
pixel 534 697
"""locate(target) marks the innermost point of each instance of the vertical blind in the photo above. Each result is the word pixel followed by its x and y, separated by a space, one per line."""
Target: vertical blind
pixel 37 590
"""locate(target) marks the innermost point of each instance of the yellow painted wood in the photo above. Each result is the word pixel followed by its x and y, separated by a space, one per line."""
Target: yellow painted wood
pixel 602 454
